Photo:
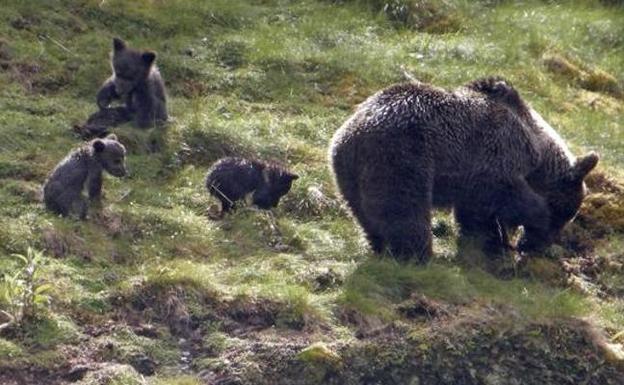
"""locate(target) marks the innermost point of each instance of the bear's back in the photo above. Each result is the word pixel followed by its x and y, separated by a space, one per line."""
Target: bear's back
pixel 462 131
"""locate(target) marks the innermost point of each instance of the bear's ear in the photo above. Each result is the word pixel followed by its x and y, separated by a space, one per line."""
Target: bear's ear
pixel 98 146
pixel 148 58
pixel 584 165
pixel 118 44
pixel 111 137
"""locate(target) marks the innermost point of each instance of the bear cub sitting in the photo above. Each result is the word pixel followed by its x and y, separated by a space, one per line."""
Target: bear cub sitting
pixel 137 82
pixel 230 179
pixel 62 191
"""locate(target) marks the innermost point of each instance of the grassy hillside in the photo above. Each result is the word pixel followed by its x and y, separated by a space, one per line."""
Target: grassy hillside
pixel 150 290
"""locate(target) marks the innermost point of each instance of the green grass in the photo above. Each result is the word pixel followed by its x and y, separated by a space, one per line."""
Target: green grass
pixel 376 287
pixel 272 79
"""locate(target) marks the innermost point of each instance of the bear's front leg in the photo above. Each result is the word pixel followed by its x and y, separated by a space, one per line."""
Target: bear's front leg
pixel 77 205
pixel 475 223
pixel 106 94
pixel 524 207
pixel 143 104
pixel 94 186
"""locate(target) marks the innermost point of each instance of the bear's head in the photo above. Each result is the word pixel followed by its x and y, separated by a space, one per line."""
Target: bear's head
pixel 563 197
pixel 565 201
pixel 276 182
pixel 130 66
pixel 111 155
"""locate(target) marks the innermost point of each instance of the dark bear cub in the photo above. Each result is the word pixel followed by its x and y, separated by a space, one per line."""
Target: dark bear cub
pixel 82 167
pixel 137 82
pixel 231 179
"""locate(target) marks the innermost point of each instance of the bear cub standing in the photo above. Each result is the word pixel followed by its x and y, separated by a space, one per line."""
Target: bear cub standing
pixel 82 167
pixel 230 179
pixel 479 149
pixel 137 81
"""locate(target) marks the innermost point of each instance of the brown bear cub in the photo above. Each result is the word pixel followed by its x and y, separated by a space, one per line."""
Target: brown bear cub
pixel 82 167
pixel 137 82
pixel 479 149
pixel 231 179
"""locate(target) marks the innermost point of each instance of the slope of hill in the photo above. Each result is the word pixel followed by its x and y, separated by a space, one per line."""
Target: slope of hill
pixel 150 290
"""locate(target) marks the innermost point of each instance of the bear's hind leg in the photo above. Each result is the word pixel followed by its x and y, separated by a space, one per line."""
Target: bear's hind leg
pixel 404 221
pixel 347 182
pixel 410 239
pixel 373 236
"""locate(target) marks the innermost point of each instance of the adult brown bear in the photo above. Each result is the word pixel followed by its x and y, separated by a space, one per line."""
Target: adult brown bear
pixel 479 149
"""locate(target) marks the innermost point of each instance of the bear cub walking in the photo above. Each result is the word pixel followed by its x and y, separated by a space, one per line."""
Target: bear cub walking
pixel 82 167
pixel 137 82
pixel 479 149
pixel 230 179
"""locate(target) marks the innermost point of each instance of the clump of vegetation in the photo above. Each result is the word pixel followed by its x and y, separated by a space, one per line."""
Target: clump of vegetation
pixel 232 53
pixel 592 79
pixel 422 15
pixel 24 294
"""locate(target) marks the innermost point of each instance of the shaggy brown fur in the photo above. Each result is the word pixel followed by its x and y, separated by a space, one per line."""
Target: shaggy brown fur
pixel 479 149
pixel 230 179
pixel 137 81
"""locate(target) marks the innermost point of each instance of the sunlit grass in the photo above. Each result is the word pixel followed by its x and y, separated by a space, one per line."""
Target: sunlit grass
pixel 377 285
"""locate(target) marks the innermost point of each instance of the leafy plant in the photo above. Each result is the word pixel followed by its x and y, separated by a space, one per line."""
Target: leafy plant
pixel 23 293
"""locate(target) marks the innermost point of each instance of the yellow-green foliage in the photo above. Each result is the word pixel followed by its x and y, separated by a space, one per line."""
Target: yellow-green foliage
pixel 592 79
pixel 113 374
pixel 179 380
pixel 9 350
pixel 319 353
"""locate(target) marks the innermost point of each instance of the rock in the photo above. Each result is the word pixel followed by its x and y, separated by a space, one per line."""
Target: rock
pixel 76 373
pixel 143 364
pixel 147 330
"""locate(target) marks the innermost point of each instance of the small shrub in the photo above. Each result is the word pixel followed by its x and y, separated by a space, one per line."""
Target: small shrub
pixel 23 293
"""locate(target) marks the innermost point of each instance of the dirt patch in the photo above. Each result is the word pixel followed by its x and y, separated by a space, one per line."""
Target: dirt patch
pixel 23 73
pixel 478 345
pixel 244 311
pixel 116 224
pixel 418 306
pixel 601 215
pixel 60 244
pixel 470 350
pixel 164 305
